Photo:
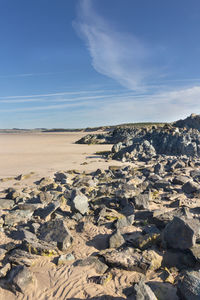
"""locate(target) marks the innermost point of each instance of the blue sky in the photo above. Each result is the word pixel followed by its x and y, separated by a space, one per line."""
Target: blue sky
pixel 79 63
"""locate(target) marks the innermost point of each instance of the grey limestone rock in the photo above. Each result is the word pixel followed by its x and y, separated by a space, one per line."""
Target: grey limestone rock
pixel 116 240
pixel 141 201
pixel 143 292
pixel 79 202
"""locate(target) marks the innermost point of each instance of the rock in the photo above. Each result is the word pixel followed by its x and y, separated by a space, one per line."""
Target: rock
pixel 133 260
pixel 61 177
pixel 116 240
pixel 4 270
pixel 190 187
pixel 24 176
pixel 143 292
pixel 161 184
pixel 65 259
pixel 189 287
pixel 98 265
pixel 19 278
pixel 124 222
pixel 46 212
pixel 195 250
pixel 45 197
pixel 79 202
pixel 45 181
pixel 141 201
pixel 56 232
pixel 178 259
pixel 193 121
pixel 146 241
pixel 6 203
pixel 181 233
pixel 10 246
pixel 163 291
pixel 13 194
pixel 128 210
pixel 161 218
pixel 180 180
pixel 17 217
pixel 195 174
pixel 21 257
pixel 159 168
pixel 40 247
pixel 151 229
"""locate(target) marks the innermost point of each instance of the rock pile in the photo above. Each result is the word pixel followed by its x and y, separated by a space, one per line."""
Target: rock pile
pixel 150 216
pixel 182 138
pixel 168 141
pixel 193 121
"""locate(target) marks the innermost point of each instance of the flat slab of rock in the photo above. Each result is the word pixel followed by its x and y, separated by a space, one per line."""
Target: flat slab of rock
pixel 21 257
pixel 39 247
pixel 17 216
pixel 133 260
pixel 98 265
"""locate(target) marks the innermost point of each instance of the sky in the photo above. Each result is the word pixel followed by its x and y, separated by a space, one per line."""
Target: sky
pixel 81 63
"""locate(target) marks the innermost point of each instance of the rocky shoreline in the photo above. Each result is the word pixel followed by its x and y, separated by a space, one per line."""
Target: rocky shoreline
pixel 142 220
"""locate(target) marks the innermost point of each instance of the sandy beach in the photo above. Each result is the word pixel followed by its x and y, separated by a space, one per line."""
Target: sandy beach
pixel 45 153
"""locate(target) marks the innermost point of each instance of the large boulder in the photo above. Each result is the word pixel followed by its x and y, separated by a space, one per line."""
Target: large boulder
pixel 189 287
pixel 181 233
pixel 56 231
pixel 18 279
pixel 190 187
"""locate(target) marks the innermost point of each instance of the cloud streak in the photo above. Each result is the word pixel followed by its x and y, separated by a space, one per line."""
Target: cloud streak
pixel 118 55
pixel 124 107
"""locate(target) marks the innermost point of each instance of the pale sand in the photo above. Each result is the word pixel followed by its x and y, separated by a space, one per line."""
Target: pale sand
pixel 46 153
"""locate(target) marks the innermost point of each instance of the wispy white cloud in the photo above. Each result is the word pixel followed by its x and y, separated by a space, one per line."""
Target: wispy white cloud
pixel 124 107
pixel 45 95
pixel 118 55
pixel 27 75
